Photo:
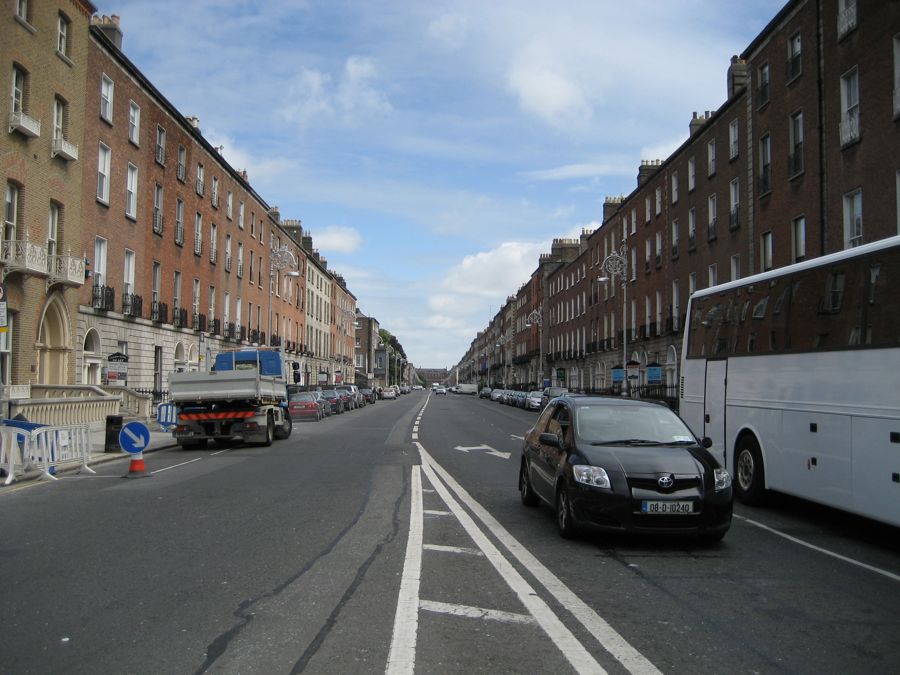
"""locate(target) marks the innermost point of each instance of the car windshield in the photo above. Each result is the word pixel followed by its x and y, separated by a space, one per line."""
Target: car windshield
pixel 301 397
pixel 631 425
pixel 329 393
pixel 536 394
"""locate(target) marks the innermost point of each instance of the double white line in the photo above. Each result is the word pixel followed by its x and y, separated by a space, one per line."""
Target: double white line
pixel 402 655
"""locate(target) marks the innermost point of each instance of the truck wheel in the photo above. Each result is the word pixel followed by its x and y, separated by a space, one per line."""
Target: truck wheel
pixel 270 430
pixel 749 479
pixel 287 426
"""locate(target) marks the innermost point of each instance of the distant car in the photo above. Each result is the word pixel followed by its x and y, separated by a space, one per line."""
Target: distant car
pixel 353 392
pixel 440 391
pixel 552 392
pixel 320 399
pixel 485 392
pixel 418 387
pixel 368 395
pixel 389 393
pixel 334 400
pixel 496 394
pixel 533 400
pixel 404 389
pixel 302 405
pixel 623 465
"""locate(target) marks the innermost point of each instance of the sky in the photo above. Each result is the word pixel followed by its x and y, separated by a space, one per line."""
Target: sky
pixel 434 149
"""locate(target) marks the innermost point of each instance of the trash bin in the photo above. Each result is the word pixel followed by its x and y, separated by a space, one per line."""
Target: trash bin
pixel 113 427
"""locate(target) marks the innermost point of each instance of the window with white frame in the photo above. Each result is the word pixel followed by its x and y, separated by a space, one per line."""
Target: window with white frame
pixel 674 187
pixel 798 233
pixel 156 282
pixel 100 245
pixel 674 237
pixel 633 266
pixel 250 276
pixel 131 183
pixel 735 267
pixel 181 172
pixel 647 247
pixel 795 139
pixel 712 277
pixel 158 208
pixel 176 293
pixel 658 200
pixel 762 86
pixel 213 236
pixel 647 211
pixel 53 218
pixel 229 204
pixel 794 63
pixel 128 272
pixel 692 283
pixel 22 13
pixel 711 214
pixel 633 221
pixel 211 307
pixel 734 203
pixel 59 119
pixel 227 252
pixel 62 34
pixel 103 167
pixel 19 89
pixel 850 106
pixel 766 249
pixel 134 123
pixel 676 305
pixel 195 298
pixel 711 157
pixel 240 260
pixel 107 88
pixel 659 248
pixel 733 146
pixel 692 226
pixel 853 222
pixel 226 307
pixel 765 164
pixel 241 215
pixel 160 145
pixel 214 196
pixel 11 211
pixel 198 233
pixel 179 222
pixel 692 174
pixel 199 185
pixel 658 317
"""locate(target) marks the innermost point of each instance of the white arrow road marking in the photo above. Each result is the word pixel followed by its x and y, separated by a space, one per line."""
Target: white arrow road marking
pixel 521 438
pixel 497 453
pixel 139 441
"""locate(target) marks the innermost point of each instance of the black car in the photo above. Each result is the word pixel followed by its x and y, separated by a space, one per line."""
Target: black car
pixel 368 395
pixel 334 399
pixel 623 465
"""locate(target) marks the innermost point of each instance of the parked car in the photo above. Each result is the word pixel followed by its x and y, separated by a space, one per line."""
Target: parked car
pixel 623 465
pixel 551 393
pixel 440 391
pixel 389 393
pixel 368 395
pixel 404 389
pixel 303 405
pixel 355 398
pixel 347 397
pixel 533 400
pixel 334 400
pixel 496 394
pixel 485 392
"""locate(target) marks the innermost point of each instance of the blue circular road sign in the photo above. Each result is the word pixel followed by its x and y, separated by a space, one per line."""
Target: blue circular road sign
pixel 134 437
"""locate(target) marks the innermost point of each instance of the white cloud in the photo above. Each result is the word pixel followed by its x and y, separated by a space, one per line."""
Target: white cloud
pixel 337 239
pixel 583 170
pixel 449 30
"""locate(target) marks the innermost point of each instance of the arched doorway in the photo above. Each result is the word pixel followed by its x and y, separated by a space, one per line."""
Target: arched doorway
pixel 180 360
pixel 53 343
pixel 671 367
pixel 92 358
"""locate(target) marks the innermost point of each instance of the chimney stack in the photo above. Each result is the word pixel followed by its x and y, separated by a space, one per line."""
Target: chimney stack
pixel 194 122
pixel 738 75
pixel 610 206
pixel 109 25
pixel 647 168
pixel 697 122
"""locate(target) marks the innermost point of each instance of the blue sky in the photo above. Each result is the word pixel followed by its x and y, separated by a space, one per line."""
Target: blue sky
pixel 434 149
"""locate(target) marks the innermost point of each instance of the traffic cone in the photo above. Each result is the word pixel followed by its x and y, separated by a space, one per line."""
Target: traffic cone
pixel 136 467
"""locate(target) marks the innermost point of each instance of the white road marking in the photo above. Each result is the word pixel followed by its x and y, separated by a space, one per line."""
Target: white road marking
pixel 475 612
pixel 402 656
pixel 415 436
pixel 219 452
pixel 876 570
pixel 432 512
pixel 521 438
pixel 175 466
pixel 571 648
pixel 452 549
pixel 497 453
pixel 605 634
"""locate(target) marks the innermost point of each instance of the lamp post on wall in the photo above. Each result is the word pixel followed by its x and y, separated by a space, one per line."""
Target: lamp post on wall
pixel 537 318
pixel 617 263
pixel 280 259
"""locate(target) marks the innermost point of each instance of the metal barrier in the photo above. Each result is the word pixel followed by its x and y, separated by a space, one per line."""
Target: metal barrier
pixel 45 449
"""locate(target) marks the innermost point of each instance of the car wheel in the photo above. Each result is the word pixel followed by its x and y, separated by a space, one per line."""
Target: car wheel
pixel 287 426
pixel 750 474
pixel 564 520
pixel 529 498
pixel 270 430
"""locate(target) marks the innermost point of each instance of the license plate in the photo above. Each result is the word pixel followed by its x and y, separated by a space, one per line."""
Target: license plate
pixel 667 507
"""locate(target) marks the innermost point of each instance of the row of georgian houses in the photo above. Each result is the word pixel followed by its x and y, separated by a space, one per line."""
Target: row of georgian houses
pixel 808 136
pixel 126 234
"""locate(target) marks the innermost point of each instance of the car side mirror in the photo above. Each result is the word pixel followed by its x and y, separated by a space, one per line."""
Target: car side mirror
pixel 706 442
pixel 547 438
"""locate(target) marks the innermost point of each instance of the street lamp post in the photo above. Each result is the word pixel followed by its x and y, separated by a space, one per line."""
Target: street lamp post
pixel 501 342
pixel 617 263
pixel 537 318
pixel 280 259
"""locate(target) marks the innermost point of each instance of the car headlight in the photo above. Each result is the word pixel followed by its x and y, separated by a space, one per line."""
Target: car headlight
pixel 722 479
pixel 591 475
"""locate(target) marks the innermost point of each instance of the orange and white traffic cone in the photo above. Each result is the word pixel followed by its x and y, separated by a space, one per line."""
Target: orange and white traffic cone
pixel 136 468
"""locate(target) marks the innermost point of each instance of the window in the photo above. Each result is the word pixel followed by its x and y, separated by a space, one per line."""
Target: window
pixel 198 234
pixel 131 192
pixel 227 252
pixel 240 260
pixel 647 209
pixel 241 215
pixel 99 261
pixel 160 146
pixel 250 269
pixel 179 222
pixel 711 158
pixel 692 174
pixel 676 305
pixel 176 293
pixel 853 225
pixel 692 283
pixel 846 19
pixel 735 267
pixel 128 276
pixel 253 224
pixel 647 249
pixel 674 237
pixel 229 203
pixel 22 10
pixel 798 231
pixel 734 198
pixel 711 215
pixel 195 298
pixel 134 123
pixel 156 282
pixel 765 164
pixel 211 311
pixel 674 187
pixel 103 167
pixel 850 107
pixel 712 276
pixel 53 218
pixel 19 89
pixel 633 221
pixel 733 147
pixel 214 196
pixel 794 64
pixel 659 248
pixel 658 200
pixel 62 35
pixel 11 212
pixel 692 227
pixel 59 119
pixel 182 163
pixel 158 208
pixel 762 86
pixel 213 236
pixel 795 138
pixel 106 98
pixel 633 267
pixel 201 190
pixel 765 251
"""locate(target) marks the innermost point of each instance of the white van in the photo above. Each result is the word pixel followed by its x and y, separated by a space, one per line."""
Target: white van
pixel 467 389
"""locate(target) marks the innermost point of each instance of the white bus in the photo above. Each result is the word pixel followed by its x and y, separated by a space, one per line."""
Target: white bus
pixel 795 375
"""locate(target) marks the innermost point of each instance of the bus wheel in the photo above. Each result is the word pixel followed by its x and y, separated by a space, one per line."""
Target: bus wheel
pixel 750 474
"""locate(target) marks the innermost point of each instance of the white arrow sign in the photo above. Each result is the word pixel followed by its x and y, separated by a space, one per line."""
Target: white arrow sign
pixel 139 441
pixel 488 450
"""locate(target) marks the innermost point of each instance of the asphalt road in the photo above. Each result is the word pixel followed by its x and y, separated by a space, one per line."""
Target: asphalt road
pixel 392 537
